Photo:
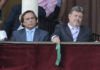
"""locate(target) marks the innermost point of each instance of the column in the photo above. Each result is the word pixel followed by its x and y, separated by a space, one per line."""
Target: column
pixel 30 5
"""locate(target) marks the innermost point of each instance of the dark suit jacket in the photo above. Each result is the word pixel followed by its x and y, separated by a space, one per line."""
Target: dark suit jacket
pixel 20 35
pixel 63 31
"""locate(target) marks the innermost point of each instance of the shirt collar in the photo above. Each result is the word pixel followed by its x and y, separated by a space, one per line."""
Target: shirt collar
pixel 31 29
pixel 73 27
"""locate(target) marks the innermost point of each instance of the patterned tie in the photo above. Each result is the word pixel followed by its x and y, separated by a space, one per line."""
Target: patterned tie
pixel 29 37
pixel 75 34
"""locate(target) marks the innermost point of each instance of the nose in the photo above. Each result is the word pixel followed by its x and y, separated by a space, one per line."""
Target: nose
pixel 30 20
pixel 77 17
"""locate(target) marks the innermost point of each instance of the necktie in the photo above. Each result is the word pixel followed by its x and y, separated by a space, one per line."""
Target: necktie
pixel 75 34
pixel 29 36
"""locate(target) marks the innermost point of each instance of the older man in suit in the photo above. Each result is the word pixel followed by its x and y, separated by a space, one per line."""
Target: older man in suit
pixel 30 32
pixel 73 31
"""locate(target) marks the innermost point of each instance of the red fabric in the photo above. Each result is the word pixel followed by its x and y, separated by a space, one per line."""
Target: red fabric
pixel 43 57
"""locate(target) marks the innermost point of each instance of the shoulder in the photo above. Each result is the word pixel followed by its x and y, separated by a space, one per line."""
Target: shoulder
pixel 41 31
pixel 19 31
pixel 85 28
pixel 61 25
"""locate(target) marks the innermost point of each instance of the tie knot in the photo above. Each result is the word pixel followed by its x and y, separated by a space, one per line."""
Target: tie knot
pixel 30 32
pixel 74 28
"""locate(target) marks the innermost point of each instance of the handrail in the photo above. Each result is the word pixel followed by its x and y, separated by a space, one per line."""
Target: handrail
pixel 69 43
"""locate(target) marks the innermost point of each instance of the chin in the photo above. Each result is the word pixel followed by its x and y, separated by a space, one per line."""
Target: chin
pixel 78 25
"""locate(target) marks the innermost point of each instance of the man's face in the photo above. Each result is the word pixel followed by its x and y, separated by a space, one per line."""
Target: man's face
pixel 29 20
pixel 75 18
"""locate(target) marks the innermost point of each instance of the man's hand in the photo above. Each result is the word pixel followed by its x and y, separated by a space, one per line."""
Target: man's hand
pixel 56 40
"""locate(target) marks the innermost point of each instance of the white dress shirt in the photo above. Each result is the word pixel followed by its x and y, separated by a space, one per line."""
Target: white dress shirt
pixel 74 32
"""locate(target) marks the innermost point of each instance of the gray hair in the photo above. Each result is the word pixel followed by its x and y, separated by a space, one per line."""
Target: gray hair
pixel 76 8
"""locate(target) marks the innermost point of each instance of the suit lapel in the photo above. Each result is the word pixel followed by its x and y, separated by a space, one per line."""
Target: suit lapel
pixel 23 35
pixel 80 33
pixel 36 35
pixel 66 28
